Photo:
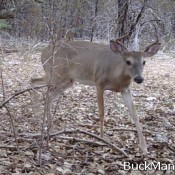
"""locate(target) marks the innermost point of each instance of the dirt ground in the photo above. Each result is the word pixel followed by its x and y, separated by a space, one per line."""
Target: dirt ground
pixel 77 153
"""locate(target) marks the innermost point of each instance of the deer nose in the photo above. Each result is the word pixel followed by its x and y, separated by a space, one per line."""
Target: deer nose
pixel 138 79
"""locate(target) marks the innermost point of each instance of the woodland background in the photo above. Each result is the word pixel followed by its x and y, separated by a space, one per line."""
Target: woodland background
pixel 89 19
pixel 31 143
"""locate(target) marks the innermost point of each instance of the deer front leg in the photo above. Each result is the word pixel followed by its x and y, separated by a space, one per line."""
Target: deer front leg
pixel 127 97
pixel 101 109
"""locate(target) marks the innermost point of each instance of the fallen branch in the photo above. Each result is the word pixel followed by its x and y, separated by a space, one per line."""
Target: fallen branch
pixel 8 50
pixel 104 140
pixel 88 125
pixel 79 131
pixel 11 147
pixel 18 93
pixel 90 142
pixel 132 130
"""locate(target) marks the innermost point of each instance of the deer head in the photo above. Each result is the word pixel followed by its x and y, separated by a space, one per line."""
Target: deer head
pixel 134 61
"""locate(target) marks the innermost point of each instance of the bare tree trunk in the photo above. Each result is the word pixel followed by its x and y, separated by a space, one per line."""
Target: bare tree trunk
pixel 94 20
pixel 126 25
pixel 122 18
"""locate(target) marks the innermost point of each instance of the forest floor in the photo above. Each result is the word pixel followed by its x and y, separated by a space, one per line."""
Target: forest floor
pixel 76 152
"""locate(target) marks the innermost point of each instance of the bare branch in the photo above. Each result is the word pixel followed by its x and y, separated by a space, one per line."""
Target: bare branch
pixel 8 112
pixel 18 93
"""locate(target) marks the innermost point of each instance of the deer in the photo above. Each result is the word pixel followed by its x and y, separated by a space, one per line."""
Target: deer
pixel 107 67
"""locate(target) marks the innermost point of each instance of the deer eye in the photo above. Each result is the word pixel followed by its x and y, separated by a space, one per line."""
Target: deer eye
pixel 128 63
pixel 144 62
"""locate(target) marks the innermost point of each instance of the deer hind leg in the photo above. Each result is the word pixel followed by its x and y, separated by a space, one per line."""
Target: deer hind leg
pixel 36 96
pixel 127 97
pixel 53 91
pixel 56 90
pixel 100 100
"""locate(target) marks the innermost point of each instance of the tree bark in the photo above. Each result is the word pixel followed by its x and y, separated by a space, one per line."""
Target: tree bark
pixel 127 26
pixel 122 18
pixel 94 20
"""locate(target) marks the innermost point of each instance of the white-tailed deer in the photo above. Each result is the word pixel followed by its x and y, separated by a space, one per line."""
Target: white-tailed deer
pixel 110 67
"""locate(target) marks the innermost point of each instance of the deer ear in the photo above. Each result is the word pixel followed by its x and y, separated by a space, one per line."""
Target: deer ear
pixel 152 49
pixel 117 47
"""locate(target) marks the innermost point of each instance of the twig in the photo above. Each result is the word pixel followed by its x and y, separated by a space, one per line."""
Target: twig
pixel 47 114
pixel 18 93
pixel 42 135
pixel 2 82
pixel 8 112
pixel 47 109
pixel 13 126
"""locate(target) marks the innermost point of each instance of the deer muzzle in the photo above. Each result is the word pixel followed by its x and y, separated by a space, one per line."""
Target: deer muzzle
pixel 139 79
